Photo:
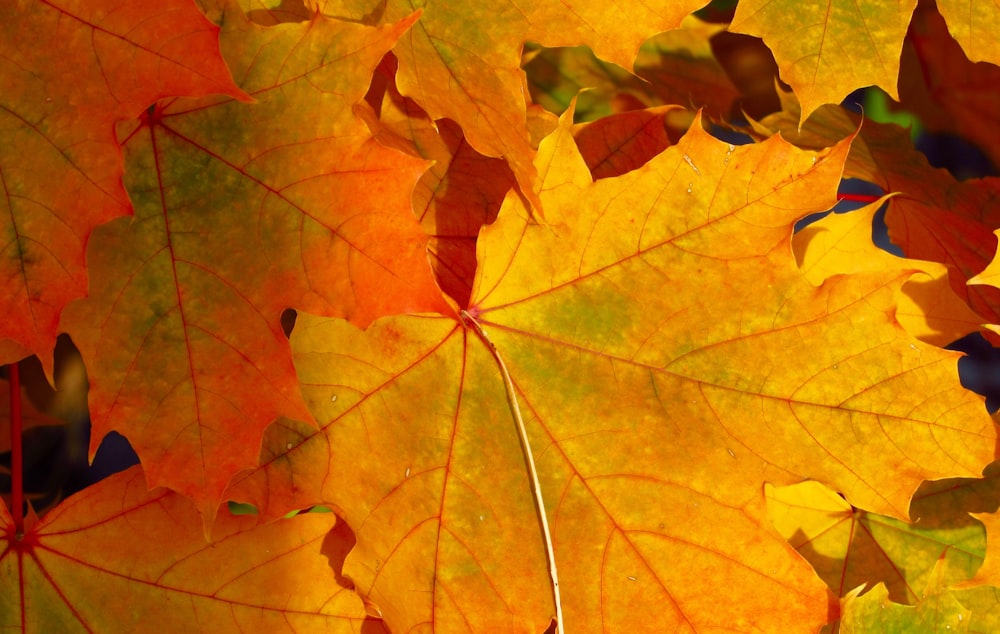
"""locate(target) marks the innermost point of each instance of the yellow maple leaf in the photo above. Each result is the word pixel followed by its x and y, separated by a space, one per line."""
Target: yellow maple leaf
pixel 667 361
pixel 826 50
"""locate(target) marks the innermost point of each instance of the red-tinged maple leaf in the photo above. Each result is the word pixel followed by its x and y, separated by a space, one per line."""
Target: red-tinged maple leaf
pixel 443 58
pixel 60 165
pixel 932 217
pixel 243 210
pixel 943 88
pixel 458 195
pixel 120 558
pixel 827 50
pixel 620 143
pixel 650 363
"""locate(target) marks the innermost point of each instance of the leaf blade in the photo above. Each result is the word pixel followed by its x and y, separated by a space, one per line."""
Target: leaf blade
pixel 240 214
pixel 58 118
pixel 76 573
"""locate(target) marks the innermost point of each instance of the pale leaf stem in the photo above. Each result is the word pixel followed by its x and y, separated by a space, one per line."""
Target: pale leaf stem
pixel 536 487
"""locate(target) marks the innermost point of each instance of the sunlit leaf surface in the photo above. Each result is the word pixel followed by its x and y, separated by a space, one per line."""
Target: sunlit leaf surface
pixel 654 422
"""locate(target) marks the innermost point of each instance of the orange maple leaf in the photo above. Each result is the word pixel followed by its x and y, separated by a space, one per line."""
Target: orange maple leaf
pixel 117 557
pixel 60 165
pixel 243 210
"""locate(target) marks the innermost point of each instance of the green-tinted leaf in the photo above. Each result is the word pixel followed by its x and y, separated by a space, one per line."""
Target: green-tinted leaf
pixel 849 547
pixel 69 69
pixel 243 210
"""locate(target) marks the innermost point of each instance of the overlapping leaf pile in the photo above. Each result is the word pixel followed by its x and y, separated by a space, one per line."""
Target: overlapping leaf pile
pixel 731 421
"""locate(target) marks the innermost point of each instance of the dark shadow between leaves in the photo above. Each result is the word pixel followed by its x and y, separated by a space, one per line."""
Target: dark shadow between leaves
pixel 337 544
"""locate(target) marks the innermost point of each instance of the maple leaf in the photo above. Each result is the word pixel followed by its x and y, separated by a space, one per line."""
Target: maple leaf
pixel 441 60
pixel 665 351
pixel 928 307
pixel 458 194
pixel 837 46
pixel 943 88
pixel 849 547
pixel 57 121
pixel 73 571
pixel 974 26
pixel 938 612
pixel 242 211
pixel 623 142
pixel 675 67
pixel 656 409
pixel 932 217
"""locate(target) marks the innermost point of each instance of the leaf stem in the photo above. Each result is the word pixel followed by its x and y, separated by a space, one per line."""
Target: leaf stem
pixel 16 452
pixel 536 487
